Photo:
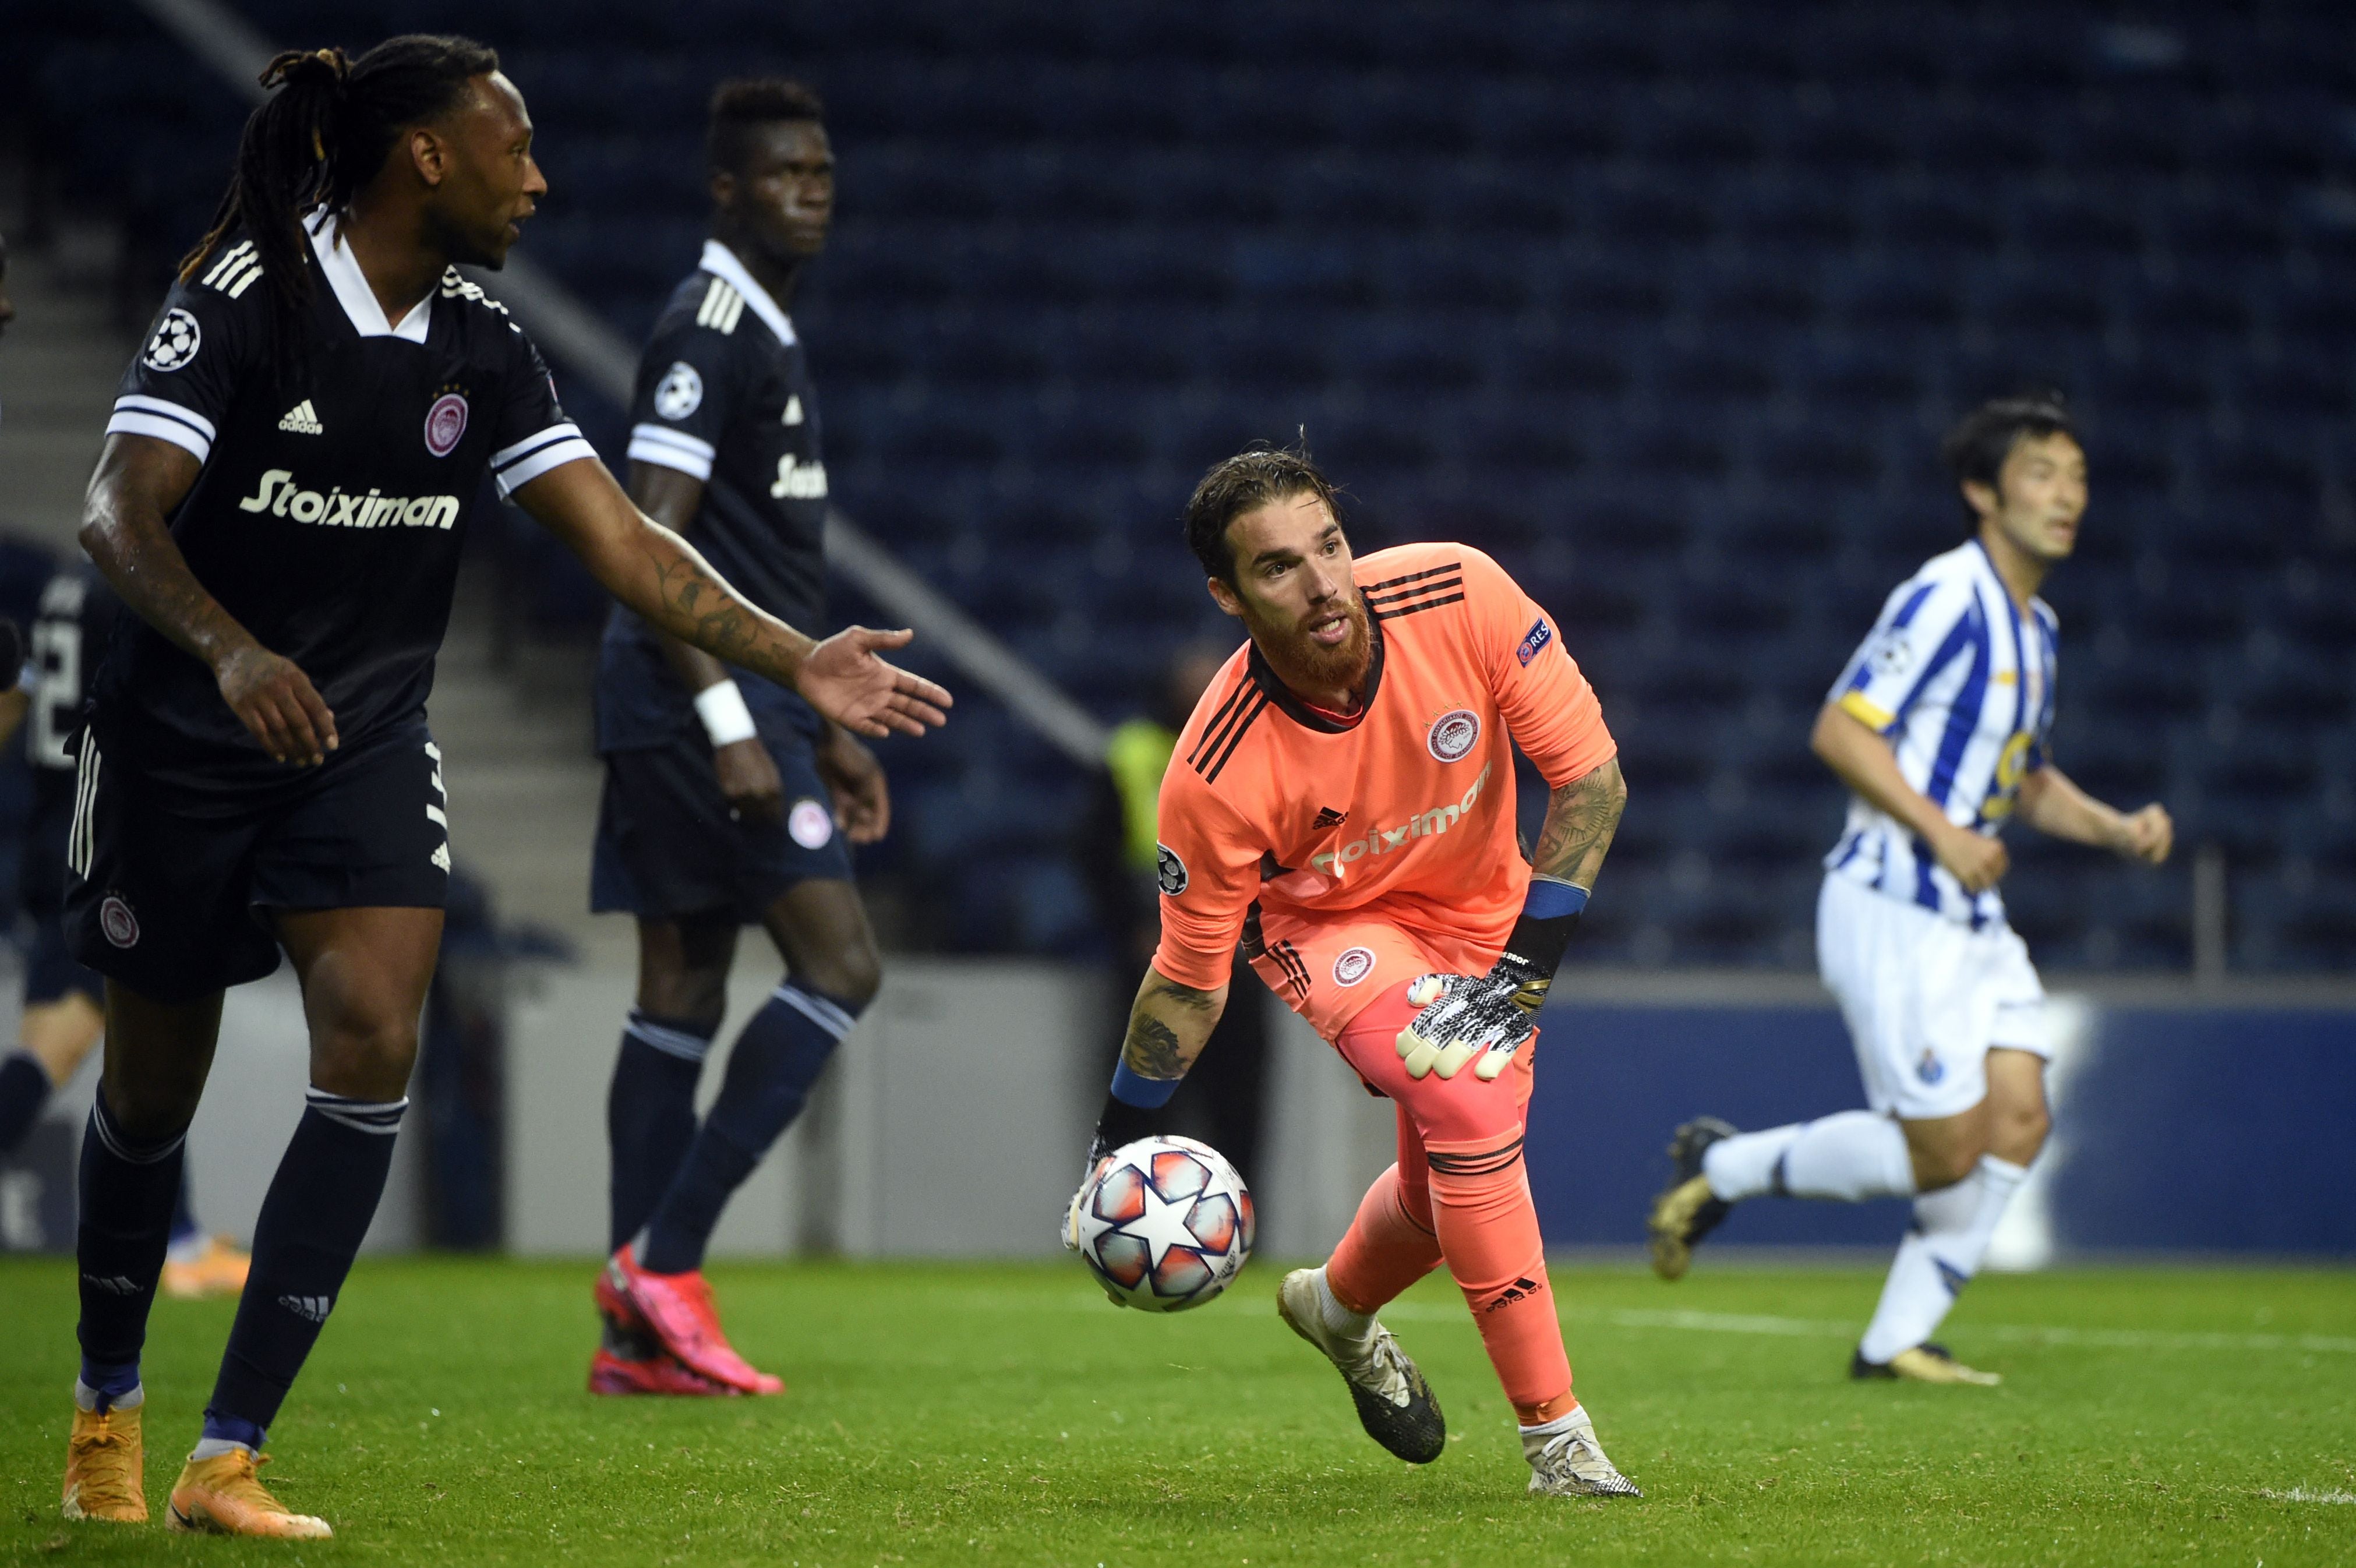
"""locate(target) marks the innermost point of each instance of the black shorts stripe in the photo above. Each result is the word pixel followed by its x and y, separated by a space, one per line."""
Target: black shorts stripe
pixel 1418 607
pixel 1288 958
pixel 1374 588
pixel 1212 732
pixel 1235 739
pixel 1488 1163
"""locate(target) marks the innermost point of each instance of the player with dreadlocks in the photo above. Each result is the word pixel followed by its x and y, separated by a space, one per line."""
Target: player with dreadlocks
pixel 281 503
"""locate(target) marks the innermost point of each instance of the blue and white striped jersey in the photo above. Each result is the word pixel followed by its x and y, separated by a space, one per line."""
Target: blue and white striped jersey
pixel 1961 685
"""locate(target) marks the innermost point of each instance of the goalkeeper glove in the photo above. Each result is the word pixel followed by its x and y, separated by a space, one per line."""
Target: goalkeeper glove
pixel 1492 1016
pixel 1135 1108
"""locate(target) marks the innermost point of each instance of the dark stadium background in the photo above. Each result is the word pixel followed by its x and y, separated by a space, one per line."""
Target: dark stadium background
pixel 1665 305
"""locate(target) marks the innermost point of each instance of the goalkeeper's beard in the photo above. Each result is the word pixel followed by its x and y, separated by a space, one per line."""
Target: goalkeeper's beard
pixel 1305 666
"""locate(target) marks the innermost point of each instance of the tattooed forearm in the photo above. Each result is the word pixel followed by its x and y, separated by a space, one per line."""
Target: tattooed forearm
pixel 1581 819
pixel 696 606
pixel 1152 1050
pixel 1168 1026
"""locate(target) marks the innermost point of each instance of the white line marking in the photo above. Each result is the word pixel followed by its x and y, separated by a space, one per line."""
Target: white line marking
pixel 2301 1495
pixel 1802 1327
pixel 2013 1333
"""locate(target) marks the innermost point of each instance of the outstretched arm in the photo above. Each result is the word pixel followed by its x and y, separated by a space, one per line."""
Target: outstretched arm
pixel 125 528
pixel 2052 803
pixel 660 576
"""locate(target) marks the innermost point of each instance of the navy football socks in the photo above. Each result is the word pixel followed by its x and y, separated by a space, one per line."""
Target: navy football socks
pixel 127 1187
pixel 651 1114
pixel 24 1089
pixel 783 1049
pixel 310 1228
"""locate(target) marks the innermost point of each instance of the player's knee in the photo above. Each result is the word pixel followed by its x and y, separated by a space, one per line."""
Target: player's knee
pixel 684 995
pixel 1944 1164
pixel 2020 1131
pixel 150 1108
pixel 850 976
pixel 364 1056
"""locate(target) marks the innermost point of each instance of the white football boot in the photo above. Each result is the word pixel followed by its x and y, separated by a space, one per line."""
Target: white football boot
pixel 1570 1463
pixel 1395 1404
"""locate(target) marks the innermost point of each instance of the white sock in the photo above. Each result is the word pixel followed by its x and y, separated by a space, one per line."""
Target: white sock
pixel 1848 1157
pixel 213 1448
pixel 1744 1166
pixel 86 1397
pixel 1338 1319
pixel 1939 1256
pixel 1575 1416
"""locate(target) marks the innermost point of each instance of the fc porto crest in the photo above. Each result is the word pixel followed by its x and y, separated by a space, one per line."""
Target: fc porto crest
pixel 1930 1070
pixel 446 424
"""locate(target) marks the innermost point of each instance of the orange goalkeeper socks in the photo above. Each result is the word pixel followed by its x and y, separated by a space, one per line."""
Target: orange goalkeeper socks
pixel 1488 1230
pixel 1384 1251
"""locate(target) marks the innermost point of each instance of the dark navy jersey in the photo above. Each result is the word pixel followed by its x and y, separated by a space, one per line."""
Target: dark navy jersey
pixel 332 505
pixel 724 394
pixel 69 637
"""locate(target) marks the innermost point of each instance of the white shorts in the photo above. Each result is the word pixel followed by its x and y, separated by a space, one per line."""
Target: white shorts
pixel 1926 998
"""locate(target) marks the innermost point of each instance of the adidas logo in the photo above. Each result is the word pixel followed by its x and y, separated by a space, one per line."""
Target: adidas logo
pixel 313 1308
pixel 1330 818
pixel 112 1284
pixel 1520 1290
pixel 302 421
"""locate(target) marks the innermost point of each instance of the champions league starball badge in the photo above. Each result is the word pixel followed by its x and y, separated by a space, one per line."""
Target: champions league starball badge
pixel 446 421
pixel 178 338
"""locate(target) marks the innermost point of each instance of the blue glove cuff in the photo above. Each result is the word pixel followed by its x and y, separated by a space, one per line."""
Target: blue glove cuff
pixel 1549 901
pixel 1136 1088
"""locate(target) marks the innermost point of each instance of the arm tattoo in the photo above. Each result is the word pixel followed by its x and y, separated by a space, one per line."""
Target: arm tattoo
pixel 1153 1048
pixel 702 612
pixel 1581 819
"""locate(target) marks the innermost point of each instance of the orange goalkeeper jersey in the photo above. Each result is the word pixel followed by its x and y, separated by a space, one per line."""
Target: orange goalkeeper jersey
pixel 1344 853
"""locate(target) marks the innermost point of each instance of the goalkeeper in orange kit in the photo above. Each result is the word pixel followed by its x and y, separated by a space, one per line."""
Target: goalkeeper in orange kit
pixel 1341 803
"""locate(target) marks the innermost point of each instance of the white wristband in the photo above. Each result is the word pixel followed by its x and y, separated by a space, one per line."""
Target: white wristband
pixel 726 717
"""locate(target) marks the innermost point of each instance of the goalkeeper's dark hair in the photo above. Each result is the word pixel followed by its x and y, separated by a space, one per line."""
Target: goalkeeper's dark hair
pixel 1254 477
pixel 741 105
pixel 1975 450
pixel 322 134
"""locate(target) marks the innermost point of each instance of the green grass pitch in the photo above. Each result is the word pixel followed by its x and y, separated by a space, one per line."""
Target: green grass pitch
pixel 1006 1414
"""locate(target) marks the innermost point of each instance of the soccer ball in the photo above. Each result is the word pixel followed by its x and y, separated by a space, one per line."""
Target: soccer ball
pixel 1166 1224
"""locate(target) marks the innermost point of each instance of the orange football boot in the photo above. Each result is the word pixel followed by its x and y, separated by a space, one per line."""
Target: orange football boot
pixel 104 1464
pixel 221 1496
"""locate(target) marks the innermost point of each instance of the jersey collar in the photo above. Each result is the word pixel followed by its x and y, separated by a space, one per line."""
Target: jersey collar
pixel 722 262
pixel 1317 719
pixel 342 271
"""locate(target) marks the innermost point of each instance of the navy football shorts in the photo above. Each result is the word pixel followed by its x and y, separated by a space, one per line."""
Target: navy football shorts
pixel 667 846
pixel 52 972
pixel 170 892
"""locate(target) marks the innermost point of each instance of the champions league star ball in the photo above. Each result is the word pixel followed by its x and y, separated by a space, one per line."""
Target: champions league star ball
pixel 1166 1224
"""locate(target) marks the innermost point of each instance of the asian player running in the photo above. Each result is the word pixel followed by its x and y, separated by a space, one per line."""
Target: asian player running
pixel 1939 726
